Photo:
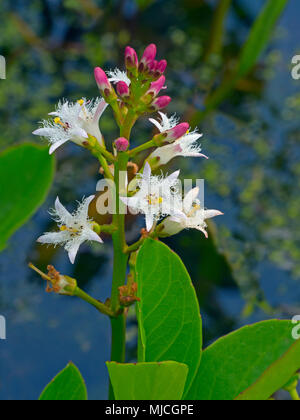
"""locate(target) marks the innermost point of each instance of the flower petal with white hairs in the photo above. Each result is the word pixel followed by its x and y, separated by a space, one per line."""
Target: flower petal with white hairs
pixel 156 197
pixel 73 122
pixel 75 228
pixel 186 146
pixel 166 123
pixel 194 216
pixel 117 75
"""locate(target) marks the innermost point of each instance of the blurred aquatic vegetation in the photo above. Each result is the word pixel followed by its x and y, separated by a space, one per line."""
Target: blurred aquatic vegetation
pixel 51 48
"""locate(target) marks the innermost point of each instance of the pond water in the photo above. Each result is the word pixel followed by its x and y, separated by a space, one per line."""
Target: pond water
pixel 252 264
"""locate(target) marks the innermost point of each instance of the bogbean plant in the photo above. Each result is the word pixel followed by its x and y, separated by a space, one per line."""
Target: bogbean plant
pixel 147 273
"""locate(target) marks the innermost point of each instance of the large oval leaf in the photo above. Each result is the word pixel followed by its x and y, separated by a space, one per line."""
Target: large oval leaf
pixel 26 173
pixel 148 381
pixel 170 325
pixel 68 385
pixel 251 363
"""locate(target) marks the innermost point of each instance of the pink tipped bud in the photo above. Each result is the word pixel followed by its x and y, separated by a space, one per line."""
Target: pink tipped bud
pixel 157 86
pixel 149 54
pixel 131 58
pixel 122 144
pixel 102 81
pixel 177 132
pixel 161 67
pixel 161 102
pixel 122 89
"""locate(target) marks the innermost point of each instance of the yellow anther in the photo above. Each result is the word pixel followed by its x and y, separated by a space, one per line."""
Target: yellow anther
pixel 57 120
pixel 80 102
pixel 66 228
pixel 153 200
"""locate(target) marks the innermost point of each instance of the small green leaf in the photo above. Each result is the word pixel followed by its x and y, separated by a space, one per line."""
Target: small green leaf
pixel 26 174
pixel 68 385
pixel 249 364
pixel 170 326
pixel 148 381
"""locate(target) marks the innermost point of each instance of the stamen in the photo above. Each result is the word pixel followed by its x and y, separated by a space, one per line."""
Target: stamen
pixel 66 228
pixel 81 102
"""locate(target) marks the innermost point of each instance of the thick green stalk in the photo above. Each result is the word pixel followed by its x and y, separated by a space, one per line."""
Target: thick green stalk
pixel 118 323
pixel 118 344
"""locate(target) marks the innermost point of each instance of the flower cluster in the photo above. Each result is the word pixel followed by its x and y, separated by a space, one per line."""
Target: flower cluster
pixel 131 94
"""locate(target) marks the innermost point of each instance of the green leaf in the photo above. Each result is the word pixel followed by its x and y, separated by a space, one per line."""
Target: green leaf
pixel 260 35
pixel 148 381
pixel 26 174
pixel 170 326
pixel 68 385
pixel 249 364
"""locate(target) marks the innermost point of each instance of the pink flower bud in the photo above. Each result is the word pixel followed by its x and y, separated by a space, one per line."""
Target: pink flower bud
pixel 149 54
pixel 102 81
pixel 161 102
pixel 161 66
pixel 131 58
pixel 157 86
pixel 177 132
pixel 122 144
pixel 148 58
pixel 122 89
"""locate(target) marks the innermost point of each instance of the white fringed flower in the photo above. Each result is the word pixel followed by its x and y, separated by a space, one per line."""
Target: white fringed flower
pixel 166 123
pixel 75 228
pixel 73 122
pixel 194 216
pixel 156 197
pixel 186 146
pixel 118 75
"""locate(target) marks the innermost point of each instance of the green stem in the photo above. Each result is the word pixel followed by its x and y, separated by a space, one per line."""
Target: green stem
pixel 105 167
pixel 141 148
pixel 118 345
pixel 98 305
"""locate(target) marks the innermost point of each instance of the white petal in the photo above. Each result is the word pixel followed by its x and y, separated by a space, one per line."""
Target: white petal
pixel 174 176
pixel 209 214
pixel 149 222
pixel 195 154
pixel 84 208
pixel 180 215
pixel 190 198
pixel 147 172
pixel 73 251
pixel 157 124
pixel 62 212
pixel 54 114
pixel 79 132
pixel 56 145
pixel 101 108
pixel 53 238
pixel 93 236
pixel 166 121
pixel 203 231
pixel 43 132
